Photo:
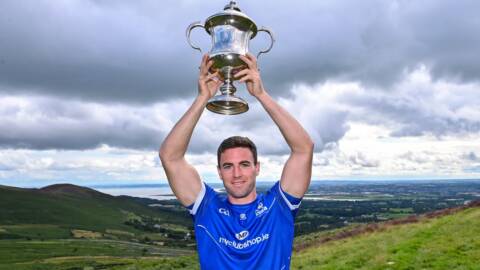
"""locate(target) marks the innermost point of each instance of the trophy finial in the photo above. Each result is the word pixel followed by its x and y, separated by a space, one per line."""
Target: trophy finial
pixel 232 5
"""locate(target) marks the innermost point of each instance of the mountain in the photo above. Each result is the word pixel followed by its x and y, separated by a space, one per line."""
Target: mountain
pixel 446 239
pixel 73 207
pixel 73 190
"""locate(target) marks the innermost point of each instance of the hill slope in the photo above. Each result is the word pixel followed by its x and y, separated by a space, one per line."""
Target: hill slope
pixel 447 242
pixel 76 207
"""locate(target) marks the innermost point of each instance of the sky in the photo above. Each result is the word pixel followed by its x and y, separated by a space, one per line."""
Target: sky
pixel 386 89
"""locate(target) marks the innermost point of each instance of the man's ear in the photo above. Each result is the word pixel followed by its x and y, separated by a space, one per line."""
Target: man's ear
pixel 218 171
pixel 257 168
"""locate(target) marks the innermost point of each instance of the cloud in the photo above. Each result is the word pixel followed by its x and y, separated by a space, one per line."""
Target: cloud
pixel 419 106
pixel 136 52
pixel 45 123
pixel 359 159
pixel 94 50
pixel 471 156
pixel 416 106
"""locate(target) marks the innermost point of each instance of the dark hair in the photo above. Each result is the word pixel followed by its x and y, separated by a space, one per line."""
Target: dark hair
pixel 237 141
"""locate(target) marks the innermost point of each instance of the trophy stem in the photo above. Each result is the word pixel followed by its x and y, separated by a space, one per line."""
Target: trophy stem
pixel 227 87
pixel 227 102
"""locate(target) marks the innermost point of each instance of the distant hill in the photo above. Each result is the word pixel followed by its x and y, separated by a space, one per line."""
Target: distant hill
pixel 74 207
pixel 73 190
pixel 445 239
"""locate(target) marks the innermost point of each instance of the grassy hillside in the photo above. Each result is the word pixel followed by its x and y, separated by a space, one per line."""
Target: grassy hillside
pixel 71 227
pixel 448 242
pixel 71 206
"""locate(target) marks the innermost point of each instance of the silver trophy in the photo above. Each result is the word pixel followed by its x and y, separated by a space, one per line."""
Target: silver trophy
pixel 231 31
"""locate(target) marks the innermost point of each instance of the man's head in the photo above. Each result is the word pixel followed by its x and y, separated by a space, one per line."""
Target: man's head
pixel 238 168
pixel 237 141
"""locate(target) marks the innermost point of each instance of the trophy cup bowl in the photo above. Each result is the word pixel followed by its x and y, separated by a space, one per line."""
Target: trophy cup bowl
pixel 231 31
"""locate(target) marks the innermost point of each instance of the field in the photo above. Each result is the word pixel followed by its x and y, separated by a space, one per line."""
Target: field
pixel 449 242
pixel 89 254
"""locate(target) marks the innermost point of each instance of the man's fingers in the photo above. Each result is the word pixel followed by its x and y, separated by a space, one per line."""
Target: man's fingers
pixel 241 73
pixel 252 58
pixel 203 65
pixel 209 65
pixel 213 76
pixel 247 61
pixel 245 78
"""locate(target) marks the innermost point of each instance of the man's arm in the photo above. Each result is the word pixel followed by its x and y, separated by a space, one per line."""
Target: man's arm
pixel 298 168
pixel 182 177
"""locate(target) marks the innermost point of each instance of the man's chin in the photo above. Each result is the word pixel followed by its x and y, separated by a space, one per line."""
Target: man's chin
pixel 238 194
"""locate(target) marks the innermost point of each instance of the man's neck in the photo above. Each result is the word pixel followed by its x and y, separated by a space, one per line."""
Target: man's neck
pixel 245 200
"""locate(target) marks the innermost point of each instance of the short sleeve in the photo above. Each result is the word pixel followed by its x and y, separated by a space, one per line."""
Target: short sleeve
pixel 194 207
pixel 205 194
pixel 289 201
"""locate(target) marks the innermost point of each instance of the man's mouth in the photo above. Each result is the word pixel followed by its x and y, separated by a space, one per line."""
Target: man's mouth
pixel 238 183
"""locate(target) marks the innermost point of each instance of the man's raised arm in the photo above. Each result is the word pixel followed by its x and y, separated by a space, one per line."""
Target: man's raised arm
pixel 298 168
pixel 182 177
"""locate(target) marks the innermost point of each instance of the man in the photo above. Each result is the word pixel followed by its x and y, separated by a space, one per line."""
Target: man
pixel 243 230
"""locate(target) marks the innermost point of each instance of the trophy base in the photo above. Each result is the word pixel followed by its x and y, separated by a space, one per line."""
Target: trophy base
pixel 227 104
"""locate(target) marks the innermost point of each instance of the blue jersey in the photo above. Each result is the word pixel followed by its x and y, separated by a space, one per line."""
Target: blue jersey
pixel 257 235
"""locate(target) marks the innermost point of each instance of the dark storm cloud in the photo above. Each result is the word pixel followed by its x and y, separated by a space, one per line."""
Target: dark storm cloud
pixel 40 123
pixel 94 50
pixel 372 42
pixel 135 51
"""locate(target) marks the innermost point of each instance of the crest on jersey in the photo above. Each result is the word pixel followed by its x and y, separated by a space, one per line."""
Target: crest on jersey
pixel 241 235
pixel 260 209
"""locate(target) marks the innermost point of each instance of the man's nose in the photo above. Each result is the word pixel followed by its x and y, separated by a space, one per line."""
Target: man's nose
pixel 236 171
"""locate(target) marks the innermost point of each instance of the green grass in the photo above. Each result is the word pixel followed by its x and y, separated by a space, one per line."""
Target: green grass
pixel 96 212
pixel 65 254
pixel 108 263
pixel 54 215
pixel 450 242
pixel 36 226
pixel 35 231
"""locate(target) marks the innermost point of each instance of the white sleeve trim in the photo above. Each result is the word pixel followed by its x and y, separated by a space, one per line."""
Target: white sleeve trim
pixel 290 205
pixel 198 200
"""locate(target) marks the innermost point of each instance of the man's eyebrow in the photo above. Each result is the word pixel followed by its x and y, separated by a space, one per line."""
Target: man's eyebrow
pixel 241 162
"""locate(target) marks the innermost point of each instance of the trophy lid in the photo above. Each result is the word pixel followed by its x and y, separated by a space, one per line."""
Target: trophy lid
pixel 232 15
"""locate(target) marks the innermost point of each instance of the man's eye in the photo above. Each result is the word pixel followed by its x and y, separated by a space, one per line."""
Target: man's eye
pixel 227 166
pixel 245 164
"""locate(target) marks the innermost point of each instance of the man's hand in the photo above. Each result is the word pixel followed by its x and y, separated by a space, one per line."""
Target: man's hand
pixel 208 83
pixel 251 75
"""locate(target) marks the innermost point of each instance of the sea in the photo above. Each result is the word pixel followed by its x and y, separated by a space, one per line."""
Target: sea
pixel 158 192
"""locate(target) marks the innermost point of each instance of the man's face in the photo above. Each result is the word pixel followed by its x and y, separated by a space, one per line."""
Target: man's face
pixel 238 172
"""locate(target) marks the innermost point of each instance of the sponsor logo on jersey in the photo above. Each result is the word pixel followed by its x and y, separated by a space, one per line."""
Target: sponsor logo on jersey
pixel 241 245
pixel 260 209
pixel 224 211
pixel 241 235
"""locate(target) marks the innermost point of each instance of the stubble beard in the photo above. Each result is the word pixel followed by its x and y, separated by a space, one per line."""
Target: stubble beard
pixel 239 194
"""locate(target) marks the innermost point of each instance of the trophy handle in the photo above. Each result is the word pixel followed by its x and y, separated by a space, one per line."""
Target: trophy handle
pixel 272 38
pixel 189 30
